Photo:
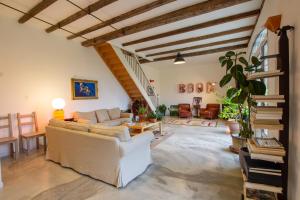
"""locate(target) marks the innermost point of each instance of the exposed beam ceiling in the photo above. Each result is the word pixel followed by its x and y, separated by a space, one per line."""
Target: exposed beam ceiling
pixel 35 10
pixel 196 27
pixel 201 46
pixel 122 17
pixel 177 15
pixel 194 39
pixel 88 10
pixel 199 53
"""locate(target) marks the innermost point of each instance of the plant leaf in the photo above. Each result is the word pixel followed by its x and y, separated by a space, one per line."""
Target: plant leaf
pixel 235 69
pixel 229 54
pixel 257 87
pixel 224 63
pixel 229 64
pixel 222 58
pixel 231 92
pixel 244 61
pixel 226 79
pixel 241 78
pixel 255 61
pixel 240 53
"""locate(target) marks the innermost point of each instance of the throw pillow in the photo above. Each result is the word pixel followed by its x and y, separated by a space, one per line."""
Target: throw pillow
pixel 121 132
pixel 102 115
pixel 91 116
pixel 114 113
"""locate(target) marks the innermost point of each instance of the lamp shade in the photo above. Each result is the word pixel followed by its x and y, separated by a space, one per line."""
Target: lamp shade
pixel 58 103
pixel 179 59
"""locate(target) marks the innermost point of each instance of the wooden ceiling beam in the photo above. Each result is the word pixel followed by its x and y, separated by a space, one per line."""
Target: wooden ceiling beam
pixel 35 10
pixel 247 38
pixel 88 10
pixel 177 15
pixel 200 53
pixel 122 17
pixel 195 39
pixel 196 27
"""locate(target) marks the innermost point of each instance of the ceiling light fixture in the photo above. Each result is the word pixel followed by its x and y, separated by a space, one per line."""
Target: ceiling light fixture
pixel 179 59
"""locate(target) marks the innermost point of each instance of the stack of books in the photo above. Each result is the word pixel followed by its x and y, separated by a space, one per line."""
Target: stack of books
pixel 266 117
pixel 268 149
pixel 262 179
pixel 269 98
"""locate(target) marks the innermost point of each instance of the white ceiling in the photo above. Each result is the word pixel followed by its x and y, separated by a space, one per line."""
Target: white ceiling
pixel 62 9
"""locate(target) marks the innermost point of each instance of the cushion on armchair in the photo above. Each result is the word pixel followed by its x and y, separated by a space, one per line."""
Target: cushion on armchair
pixel 102 115
pixel 114 113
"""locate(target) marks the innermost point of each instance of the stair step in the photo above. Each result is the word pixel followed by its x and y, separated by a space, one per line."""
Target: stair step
pixel 267 74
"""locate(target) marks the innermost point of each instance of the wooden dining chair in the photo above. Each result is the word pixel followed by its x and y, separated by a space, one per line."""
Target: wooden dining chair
pixel 33 134
pixel 10 139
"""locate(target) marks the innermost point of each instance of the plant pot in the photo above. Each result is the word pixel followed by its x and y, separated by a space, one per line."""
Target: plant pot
pixel 142 117
pixel 237 143
pixel 233 125
pixel 152 120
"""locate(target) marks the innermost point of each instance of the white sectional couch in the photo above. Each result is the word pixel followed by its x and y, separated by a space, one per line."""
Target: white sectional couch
pixel 105 153
pixel 108 117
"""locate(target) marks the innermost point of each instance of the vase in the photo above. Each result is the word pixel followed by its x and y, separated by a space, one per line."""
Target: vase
pixel 237 143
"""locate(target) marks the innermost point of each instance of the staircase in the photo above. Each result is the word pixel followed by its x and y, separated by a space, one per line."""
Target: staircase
pixel 128 71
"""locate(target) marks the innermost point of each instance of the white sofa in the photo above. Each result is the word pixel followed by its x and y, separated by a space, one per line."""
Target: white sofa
pixel 105 153
pixel 108 117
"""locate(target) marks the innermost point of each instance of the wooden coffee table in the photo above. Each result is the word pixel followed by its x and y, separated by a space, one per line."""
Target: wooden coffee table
pixel 140 127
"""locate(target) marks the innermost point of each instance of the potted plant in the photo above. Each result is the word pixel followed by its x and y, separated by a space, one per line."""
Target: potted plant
pixel 236 68
pixel 162 109
pixel 230 113
pixel 152 117
pixel 142 111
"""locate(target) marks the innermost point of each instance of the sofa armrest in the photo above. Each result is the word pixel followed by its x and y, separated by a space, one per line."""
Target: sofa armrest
pixel 136 141
pixel 126 115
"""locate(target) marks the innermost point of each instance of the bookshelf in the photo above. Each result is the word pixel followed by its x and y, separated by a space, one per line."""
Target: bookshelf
pixel 275 118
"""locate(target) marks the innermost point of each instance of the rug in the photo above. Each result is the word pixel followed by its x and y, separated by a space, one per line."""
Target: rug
pixel 193 164
pixel 191 122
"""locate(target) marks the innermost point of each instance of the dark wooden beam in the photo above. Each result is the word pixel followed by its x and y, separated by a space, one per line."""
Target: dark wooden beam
pixel 201 46
pixel 122 17
pixel 177 15
pixel 196 27
pixel 35 10
pixel 88 10
pixel 199 53
pixel 195 39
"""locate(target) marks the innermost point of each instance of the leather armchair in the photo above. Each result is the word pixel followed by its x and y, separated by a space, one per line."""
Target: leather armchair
pixel 211 111
pixel 184 110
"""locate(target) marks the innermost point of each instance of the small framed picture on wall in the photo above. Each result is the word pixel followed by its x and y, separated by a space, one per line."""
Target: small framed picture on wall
pixel 84 89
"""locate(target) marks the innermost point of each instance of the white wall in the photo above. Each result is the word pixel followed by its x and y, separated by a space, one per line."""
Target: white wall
pixel 289 9
pixel 201 69
pixel 36 67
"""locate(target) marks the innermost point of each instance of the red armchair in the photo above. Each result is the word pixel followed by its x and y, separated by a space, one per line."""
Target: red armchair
pixel 184 110
pixel 211 111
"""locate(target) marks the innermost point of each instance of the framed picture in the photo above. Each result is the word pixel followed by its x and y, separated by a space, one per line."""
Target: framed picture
pixel 84 89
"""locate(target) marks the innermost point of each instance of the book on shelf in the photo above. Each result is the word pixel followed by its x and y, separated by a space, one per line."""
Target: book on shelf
pixel 262 150
pixel 266 109
pixel 258 186
pixel 271 158
pixel 260 171
pixel 269 98
pixel 264 121
pixel 258 75
pixel 278 127
pixel 253 194
pixel 268 143
pixel 277 116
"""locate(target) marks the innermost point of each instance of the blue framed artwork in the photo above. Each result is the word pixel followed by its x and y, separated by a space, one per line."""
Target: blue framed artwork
pixel 84 89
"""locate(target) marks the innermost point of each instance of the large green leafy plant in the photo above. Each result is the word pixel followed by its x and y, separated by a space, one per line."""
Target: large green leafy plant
pixel 230 110
pixel 236 68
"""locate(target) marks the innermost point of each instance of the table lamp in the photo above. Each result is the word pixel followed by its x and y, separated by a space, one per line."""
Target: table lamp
pixel 58 104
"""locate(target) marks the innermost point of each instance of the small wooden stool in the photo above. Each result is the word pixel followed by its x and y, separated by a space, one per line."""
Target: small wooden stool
pixel 35 133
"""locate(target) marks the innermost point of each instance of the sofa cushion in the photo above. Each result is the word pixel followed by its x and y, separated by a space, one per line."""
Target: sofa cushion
pixel 58 123
pixel 121 132
pixel 90 116
pixel 77 126
pixel 114 122
pixel 102 115
pixel 114 113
